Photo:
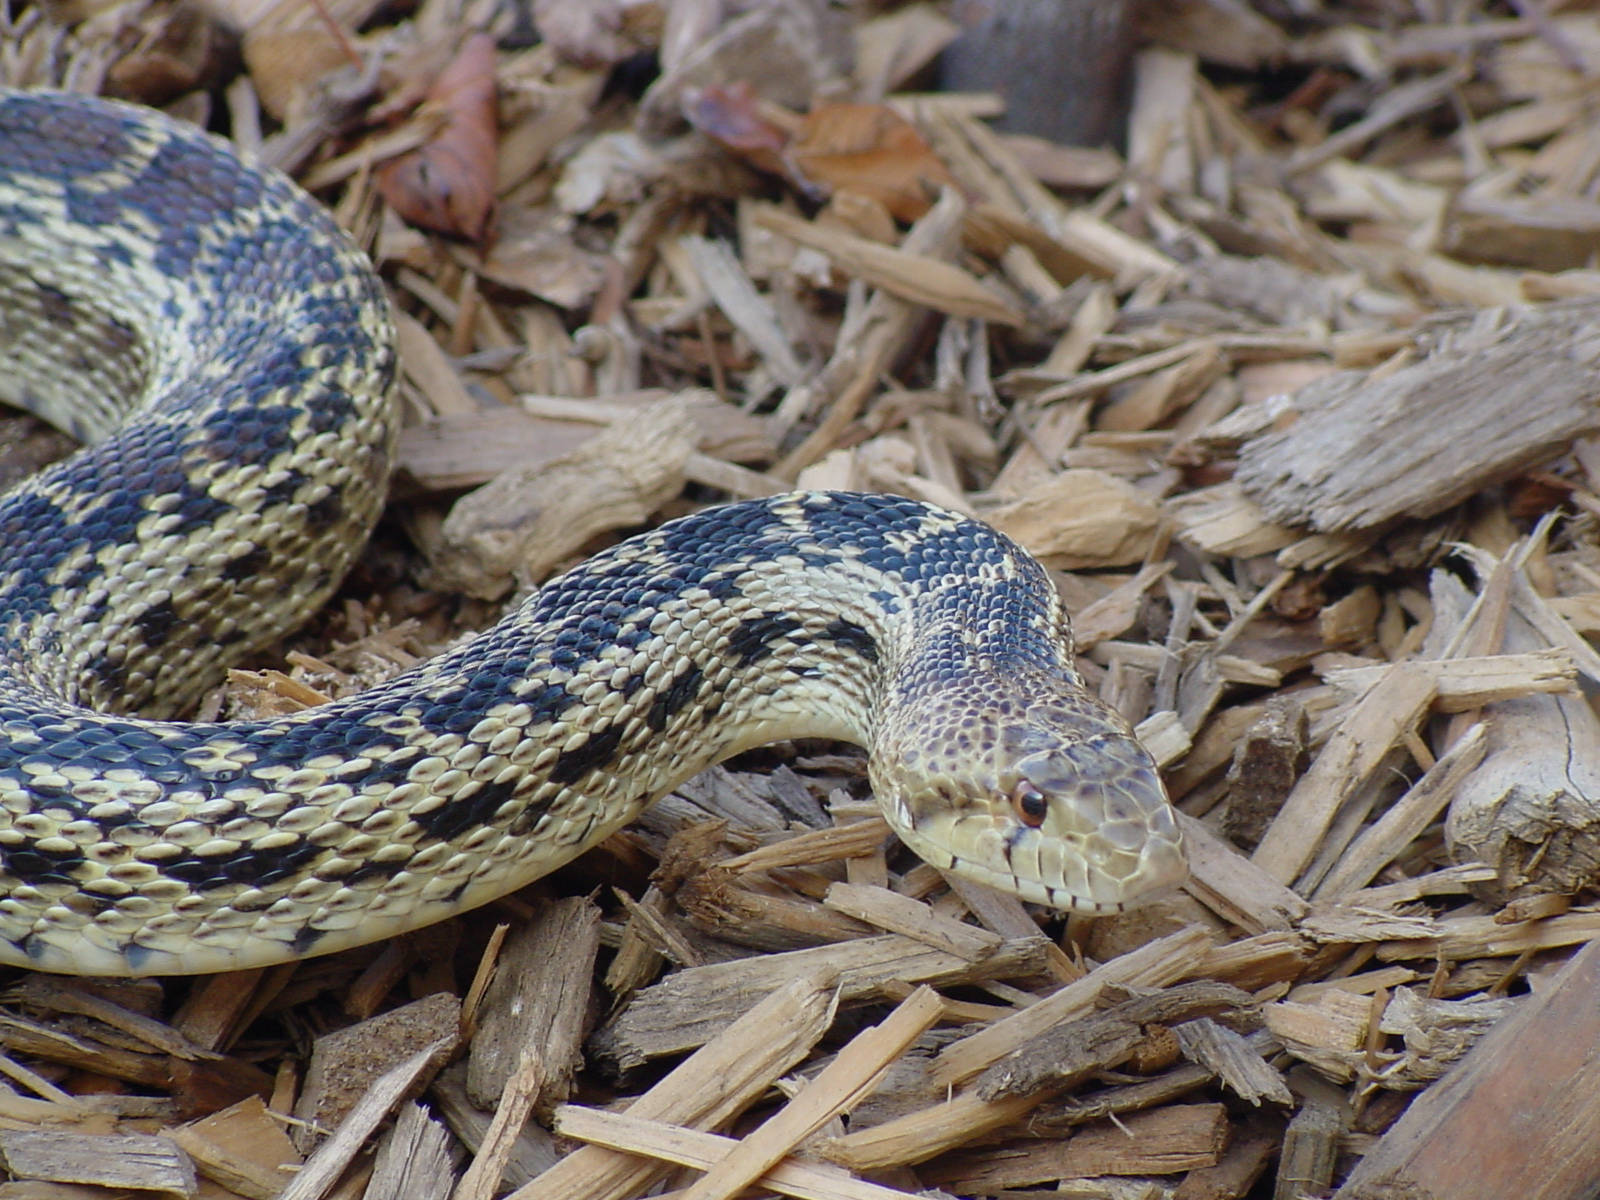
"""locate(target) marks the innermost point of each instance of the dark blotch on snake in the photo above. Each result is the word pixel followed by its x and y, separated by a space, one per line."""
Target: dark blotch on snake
pixel 685 686
pixel 598 749
pixel 465 811
pixel 754 639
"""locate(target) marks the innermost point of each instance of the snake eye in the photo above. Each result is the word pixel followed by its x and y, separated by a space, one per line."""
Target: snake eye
pixel 1030 805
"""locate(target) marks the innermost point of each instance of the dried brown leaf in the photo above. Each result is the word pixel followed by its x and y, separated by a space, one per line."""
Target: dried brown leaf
pixel 447 184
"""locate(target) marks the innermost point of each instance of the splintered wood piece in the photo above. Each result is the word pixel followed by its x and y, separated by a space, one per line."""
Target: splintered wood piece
pixel 1487 937
pixel 920 1135
pixel 220 1005
pixel 709 1087
pixel 1386 714
pixel 464 449
pixel 1082 518
pixel 1242 1163
pixel 128 1160
pixel 1233 886
pixel 901 914
pixel 414 1159
pixel 1330 1031
pixel 854 1071
pixel 1310 1151
pixel 1527 809
pixel 527 519
pixel 1388 836
pixel 751 313
pixel 690 1006
pixel 1070 1052
pixel 323 1169
pixel 533 1148
pixel 854 840
pixel 1234 1059
pixel 1358 451
pixel 1154 964
pixel 1464 684
pixel 500 1142
pixel 536 1003
pixel 866 349
pixel 345 1064
pixel 1162 1141
pixel 243 1148
pixel 696 1148
pixel 741 910
pixel 917 278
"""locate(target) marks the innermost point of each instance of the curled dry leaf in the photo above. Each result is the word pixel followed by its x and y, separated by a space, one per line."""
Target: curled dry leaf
pixel 447 185
pixel 870 149
pixel 865 149
pixel 733 115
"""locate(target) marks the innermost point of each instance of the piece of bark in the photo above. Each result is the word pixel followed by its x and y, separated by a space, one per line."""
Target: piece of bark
pixel 537 1004
pixel 695 1148
pixel 1069 1052
pixel 1528 809
pixel 345 1063
pixel 688 1007
pixel 1310 1151
pixel 1386 714
pixel 1163 1141
pixel 243 1148
pixel 709 1087
pixel 334 1156
pixel 1266 764
pixel 527 520
pixel 413 1160
pixel 1516 1117
pixel 136 1161
pixel 1351 452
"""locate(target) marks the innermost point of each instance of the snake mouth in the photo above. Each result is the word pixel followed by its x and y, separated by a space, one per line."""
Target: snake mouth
pixel 1085 874
pixel 1089 832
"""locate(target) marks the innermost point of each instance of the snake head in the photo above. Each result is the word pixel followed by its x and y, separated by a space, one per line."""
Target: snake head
pixel 1054 800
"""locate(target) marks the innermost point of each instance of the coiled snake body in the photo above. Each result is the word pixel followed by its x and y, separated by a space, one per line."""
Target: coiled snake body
pixel 226 355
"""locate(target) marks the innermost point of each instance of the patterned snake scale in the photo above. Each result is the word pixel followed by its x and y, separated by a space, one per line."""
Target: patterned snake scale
pixel 226 356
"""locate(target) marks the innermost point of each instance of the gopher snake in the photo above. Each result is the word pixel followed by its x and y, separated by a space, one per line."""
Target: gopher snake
pixel 226 355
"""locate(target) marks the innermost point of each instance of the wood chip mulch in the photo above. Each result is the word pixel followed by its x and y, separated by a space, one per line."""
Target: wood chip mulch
pixel 1296 396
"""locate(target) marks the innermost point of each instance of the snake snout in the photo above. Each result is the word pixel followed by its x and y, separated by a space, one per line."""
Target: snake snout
pixel 1110 840
pixel 1071 813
